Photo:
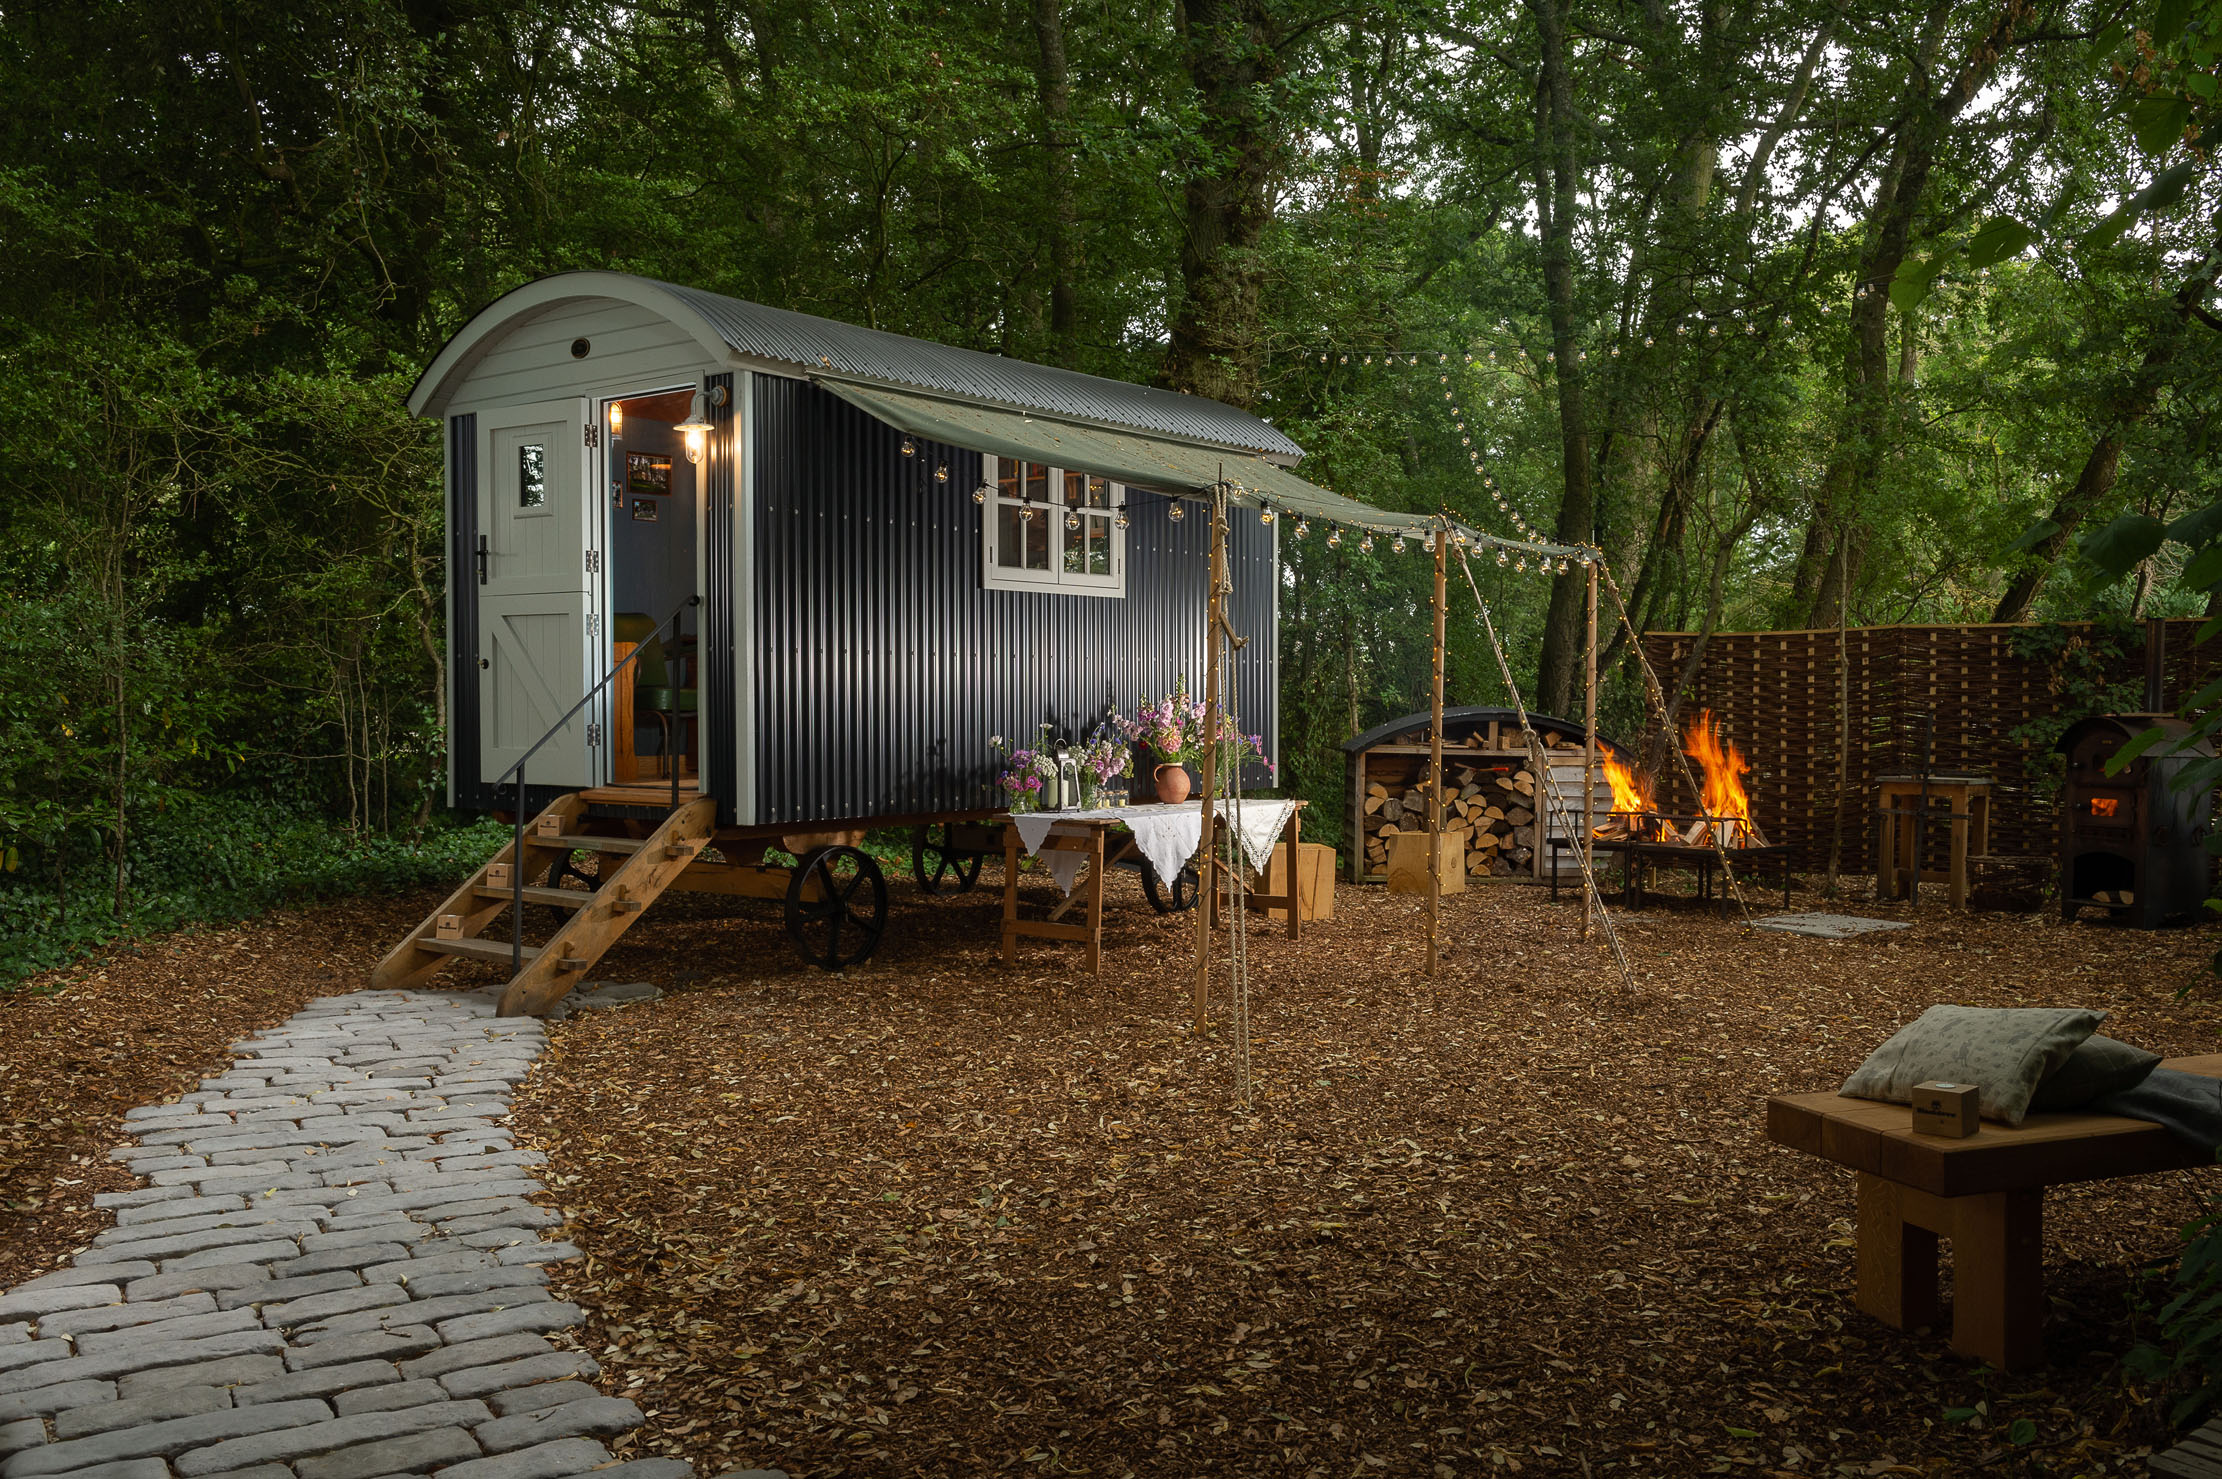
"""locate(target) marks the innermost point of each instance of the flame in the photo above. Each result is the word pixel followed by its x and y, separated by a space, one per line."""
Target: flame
pixel 1725 767
pixel 1631 794
pixel 2105 806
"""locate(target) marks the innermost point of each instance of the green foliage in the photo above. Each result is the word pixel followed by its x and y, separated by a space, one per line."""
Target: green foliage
pixel 2185 1357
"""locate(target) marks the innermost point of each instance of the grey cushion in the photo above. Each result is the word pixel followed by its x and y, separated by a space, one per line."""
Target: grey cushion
pixel 2099 1066
pixel 2007 1051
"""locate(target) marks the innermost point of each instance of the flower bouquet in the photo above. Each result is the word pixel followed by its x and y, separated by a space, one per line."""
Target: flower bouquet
pixel 1023 776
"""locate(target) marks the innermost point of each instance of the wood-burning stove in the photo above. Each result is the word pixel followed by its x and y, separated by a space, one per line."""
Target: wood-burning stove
pixel 2132 844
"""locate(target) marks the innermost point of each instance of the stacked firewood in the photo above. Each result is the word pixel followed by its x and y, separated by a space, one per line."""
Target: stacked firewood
pixel 1490 812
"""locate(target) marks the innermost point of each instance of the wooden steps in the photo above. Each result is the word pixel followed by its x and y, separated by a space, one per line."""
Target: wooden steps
pixel 650 865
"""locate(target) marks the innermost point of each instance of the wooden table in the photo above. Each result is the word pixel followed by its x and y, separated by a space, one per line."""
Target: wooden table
pixel 1903 805
pixel 1091 837
pixel 1983 1194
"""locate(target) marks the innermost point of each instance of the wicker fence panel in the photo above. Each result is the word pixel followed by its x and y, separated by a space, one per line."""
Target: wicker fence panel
pixel 1953 697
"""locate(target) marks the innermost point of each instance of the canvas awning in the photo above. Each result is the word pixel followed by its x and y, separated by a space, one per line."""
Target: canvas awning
pixel 1181 469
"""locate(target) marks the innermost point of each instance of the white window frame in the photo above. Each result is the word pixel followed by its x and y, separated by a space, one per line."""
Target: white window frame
pixel 1056 580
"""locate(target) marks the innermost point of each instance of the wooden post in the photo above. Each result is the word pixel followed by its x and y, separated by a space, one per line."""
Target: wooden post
pixel 1435 771
pixel 1207 880
pixel 1589 765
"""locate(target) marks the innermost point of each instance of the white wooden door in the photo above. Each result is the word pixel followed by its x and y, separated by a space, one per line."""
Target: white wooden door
pixel 535 591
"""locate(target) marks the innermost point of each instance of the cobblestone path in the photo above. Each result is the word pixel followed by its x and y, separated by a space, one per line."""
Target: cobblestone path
pixel 333 1273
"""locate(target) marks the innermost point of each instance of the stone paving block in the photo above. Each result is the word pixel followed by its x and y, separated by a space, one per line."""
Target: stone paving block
pixel 388 1397
pixel 287 1287
pixel 260 1471
pixel 171 1209
pixel 287 1444
pixel 112 1314
pixel 358 1256
pixel 474 1281
pixel 484 1381
pixel 316 1307
pixel 130 1468
pixel 538 1315
pixel 417 1453
pixel 220 1279
pixel 475 1353
pixel 139 1198
pixel 148 1233
pixel 31 1353
pixel 230 1371
pixel 538 1253
pixel 63 1278
pixel 100 1417
pixel 16 1332
pixel 385 1345
pixel 322 1381
pixel 521 1215
pixel 429 1261
pixel 587 1417
pixel 161 1439
pixel 191 1327
pixel 55 1399
pixel 184 1245
pixel 24 1432
pixel 374 1227
pixel 260 1186
pixel 38 1303
pixel 531 1399
pixel 565 1456
pixel 271 1252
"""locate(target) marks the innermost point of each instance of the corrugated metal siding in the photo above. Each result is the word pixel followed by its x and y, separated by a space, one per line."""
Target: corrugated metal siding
pixel 883 667
pixel 717 614
pixel 815 343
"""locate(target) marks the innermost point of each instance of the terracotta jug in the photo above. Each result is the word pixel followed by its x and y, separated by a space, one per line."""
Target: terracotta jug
pixel 1172 783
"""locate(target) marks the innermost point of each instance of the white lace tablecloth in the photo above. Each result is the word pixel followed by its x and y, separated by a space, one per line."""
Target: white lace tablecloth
pixel 1166 835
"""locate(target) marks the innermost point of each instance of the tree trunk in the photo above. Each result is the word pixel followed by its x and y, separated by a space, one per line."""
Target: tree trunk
pixel 1234 66
pixel 2097 478
pixel 1557 185
pixel 1054 83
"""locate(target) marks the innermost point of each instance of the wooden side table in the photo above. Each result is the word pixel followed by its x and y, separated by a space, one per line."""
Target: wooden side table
pixel 1905 805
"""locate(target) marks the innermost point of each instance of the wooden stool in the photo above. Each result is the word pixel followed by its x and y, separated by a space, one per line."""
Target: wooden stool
pixel 1903 805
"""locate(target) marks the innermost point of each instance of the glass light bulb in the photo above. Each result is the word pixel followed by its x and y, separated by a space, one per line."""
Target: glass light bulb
pixel 1503 559
pixel 910 448
pixel 1265 516
pixel 1072 521
pixel 1334 539
pixel 1303 527
pixel 1521 564
pixel 1176 513
pixel 941 473
pixel 1396 545
pixel 1365 545
pixel 980 494
pixel 1120 519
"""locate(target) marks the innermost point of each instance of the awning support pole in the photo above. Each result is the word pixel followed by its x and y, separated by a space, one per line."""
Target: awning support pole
pixel 1435 767
pixel 1589 761
pixel 1207 881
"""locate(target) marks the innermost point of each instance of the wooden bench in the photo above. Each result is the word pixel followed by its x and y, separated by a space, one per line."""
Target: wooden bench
pixel 1983 1194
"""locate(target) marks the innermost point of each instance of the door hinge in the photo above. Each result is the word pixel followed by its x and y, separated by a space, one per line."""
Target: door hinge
pixel 593 735
pixel 593 626
pixel 593 435
pixel 593 562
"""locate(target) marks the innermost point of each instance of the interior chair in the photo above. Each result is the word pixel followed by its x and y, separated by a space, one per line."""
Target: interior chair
pixel 655 695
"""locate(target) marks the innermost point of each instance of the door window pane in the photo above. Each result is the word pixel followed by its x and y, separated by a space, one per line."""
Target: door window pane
pixel 1099 543
pixel 532 475
pixel 1010 535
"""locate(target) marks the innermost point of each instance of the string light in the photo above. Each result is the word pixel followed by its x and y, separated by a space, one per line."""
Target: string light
pixel 1303 527
pixel 941 473
pixel 1072 521
pixel 1334 538
pixel 1396 545
pixel 1176 513
pixel 910 448
pixel 1365 545
pixel 1503 559
pixel 980 494
pixel 1265 516
pixel 1120 518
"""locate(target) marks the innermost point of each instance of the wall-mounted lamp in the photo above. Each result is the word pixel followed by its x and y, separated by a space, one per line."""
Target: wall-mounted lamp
pixel 696 428
pixel 617 418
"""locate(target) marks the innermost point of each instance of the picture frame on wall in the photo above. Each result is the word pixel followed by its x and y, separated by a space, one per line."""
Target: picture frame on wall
pixel 644 510
pixel 647 475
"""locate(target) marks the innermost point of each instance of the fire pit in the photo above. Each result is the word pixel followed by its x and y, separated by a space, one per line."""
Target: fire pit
pixel 1646 837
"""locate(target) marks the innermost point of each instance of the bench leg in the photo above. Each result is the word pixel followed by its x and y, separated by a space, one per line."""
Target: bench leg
pixel 1897 1258
pixel 1998 1279
pixel 1998 1303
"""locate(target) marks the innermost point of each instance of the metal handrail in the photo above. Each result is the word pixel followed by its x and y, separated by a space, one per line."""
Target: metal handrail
pixel 517 839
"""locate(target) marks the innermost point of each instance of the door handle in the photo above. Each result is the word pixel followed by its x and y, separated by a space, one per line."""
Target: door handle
pixel 482 559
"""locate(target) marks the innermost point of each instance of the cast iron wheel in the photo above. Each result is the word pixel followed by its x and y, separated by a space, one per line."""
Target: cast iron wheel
pixel 842 925
pixel 934 863
pixel 567 867
pixel 1180 898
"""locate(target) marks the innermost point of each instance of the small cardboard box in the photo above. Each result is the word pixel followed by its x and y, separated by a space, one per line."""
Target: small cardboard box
pixel 448 927
pixel 1951 1110
pixel 1315 880
pixel 497 875
pixel 549 825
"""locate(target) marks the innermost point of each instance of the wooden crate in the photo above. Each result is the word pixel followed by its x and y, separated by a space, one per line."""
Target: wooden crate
pixel 1315 881
pixel 1408 863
